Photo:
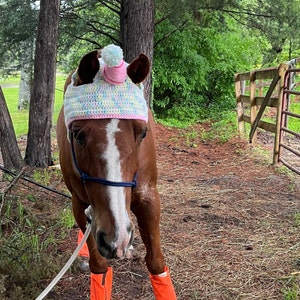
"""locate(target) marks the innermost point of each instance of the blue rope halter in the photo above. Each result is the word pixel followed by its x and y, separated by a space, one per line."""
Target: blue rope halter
pixel 84 177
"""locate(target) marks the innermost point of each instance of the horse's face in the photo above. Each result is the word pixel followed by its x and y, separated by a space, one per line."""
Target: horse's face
pixel 108 149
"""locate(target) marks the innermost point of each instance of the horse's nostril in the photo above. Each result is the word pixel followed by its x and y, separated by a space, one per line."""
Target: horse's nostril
pixel 101 241
pixel 104 248
pixel 112 250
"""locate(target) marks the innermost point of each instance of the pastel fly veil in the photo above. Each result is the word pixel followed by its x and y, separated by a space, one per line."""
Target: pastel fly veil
pixel 111 95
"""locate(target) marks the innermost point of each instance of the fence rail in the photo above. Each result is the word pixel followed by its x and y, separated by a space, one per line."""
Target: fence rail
pixel 263 101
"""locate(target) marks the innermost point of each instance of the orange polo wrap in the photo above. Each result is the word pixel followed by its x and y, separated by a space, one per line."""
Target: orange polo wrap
pixel 162 286
pixel 84 251
pixel 101 285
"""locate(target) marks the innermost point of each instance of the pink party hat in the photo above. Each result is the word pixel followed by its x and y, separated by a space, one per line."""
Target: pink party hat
pixel 115 69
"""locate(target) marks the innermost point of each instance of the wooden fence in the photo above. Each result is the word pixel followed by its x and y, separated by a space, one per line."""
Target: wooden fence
pixel 263 101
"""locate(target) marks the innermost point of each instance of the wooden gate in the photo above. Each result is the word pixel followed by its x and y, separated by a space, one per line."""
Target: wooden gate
pixel 264 101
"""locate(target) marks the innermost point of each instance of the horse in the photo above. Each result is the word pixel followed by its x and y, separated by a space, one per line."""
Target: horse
pixel 109 167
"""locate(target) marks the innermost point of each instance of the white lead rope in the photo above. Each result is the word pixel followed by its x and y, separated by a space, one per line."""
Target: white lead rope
pixel 67 265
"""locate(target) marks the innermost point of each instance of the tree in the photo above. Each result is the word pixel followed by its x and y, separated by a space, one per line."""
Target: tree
pixel 129 24
pixel 16 39
pixel 26 74
pixel 278 21
pixel 11 155
pixel 137 32
pixel 38 150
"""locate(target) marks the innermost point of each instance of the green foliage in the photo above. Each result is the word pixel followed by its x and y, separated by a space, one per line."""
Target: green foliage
pixel 84 28
pixel 291 291
pixel 41 176
pixel 27 246
pixel 20 18
pixel 278 21
pixel 67 218
pixel 179 74
pixel 29 242
pixel 194 69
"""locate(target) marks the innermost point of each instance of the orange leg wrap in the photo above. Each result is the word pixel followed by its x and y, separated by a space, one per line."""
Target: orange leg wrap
pixel 84 251
pixel 101 285
pixel 162 286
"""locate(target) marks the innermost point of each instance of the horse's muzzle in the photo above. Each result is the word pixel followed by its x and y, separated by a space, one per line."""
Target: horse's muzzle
pixel 112 250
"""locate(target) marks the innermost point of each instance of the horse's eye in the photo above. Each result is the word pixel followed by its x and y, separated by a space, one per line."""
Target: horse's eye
pixel 144 133
pixel 79 137
pixel 140 131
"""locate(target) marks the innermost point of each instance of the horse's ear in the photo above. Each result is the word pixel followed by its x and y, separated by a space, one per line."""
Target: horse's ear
pixel 88 68
pixel 139 68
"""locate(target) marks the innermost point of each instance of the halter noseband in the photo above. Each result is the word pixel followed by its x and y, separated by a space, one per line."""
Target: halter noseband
pixel 85 177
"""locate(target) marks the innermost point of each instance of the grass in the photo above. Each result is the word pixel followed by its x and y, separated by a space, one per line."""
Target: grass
pixel 294 123
pixel 26 248
pixel 291 292
pixel 221 130
pixel 28 237
pixel 10 87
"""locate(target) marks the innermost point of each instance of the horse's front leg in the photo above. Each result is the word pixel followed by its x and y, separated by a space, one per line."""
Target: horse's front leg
pixel 101 274
pixel 146 207
pixel 98 264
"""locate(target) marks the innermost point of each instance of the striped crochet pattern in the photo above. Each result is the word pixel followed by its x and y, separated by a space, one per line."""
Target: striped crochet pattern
pixel 102 100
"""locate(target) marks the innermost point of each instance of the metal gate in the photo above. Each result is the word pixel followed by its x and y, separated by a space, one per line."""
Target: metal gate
pixel 289 140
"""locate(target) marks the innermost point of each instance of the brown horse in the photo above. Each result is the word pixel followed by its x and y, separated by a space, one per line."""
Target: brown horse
pixel 118 160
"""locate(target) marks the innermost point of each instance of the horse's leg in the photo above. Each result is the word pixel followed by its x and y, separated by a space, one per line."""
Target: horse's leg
pixel 83 254
pixel 146 208
pixel 101 275
pixel 98 264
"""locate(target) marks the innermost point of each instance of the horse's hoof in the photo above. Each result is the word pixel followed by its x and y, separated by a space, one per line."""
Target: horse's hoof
pixel 130 252
pixel 83 264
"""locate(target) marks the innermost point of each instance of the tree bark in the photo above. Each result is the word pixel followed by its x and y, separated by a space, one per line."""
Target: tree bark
pixel 12 159
pixel 26 75
pixel 137 31
pixel 38 151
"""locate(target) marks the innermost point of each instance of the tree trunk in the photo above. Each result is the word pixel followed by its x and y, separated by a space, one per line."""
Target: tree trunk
pixel 12 159
pixel 137 31
pixel 26 75
pixel 38 151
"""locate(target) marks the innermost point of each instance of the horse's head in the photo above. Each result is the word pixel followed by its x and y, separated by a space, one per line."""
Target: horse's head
pixel 108 149
pixel 105 150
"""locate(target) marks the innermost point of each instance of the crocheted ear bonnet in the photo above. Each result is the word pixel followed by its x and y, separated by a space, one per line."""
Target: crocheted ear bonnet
pixel 112 95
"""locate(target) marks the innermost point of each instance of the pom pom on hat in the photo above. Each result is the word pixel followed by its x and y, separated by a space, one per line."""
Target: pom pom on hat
pixel 114 70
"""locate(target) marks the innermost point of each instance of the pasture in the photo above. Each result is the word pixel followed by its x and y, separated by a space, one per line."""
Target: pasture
pixel 10 87
pixel 230 227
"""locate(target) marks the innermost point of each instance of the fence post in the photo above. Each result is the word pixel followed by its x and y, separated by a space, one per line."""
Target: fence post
pixel 240 108
pixel 253 107
pixel 282 70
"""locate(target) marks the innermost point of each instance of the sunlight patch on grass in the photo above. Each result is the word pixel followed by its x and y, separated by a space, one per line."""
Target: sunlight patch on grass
pixel 10 87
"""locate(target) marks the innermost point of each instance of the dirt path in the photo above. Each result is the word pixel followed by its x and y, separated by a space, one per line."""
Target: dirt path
pixel 230 227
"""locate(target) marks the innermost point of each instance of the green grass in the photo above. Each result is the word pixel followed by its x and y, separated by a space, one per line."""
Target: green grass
pixel 29 248
pixel 294 123
pixel 10 87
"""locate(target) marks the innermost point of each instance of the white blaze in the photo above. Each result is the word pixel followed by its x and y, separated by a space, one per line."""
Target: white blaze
pixel 116 195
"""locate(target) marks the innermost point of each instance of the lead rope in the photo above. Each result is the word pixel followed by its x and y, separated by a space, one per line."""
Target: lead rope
pixel 69 262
